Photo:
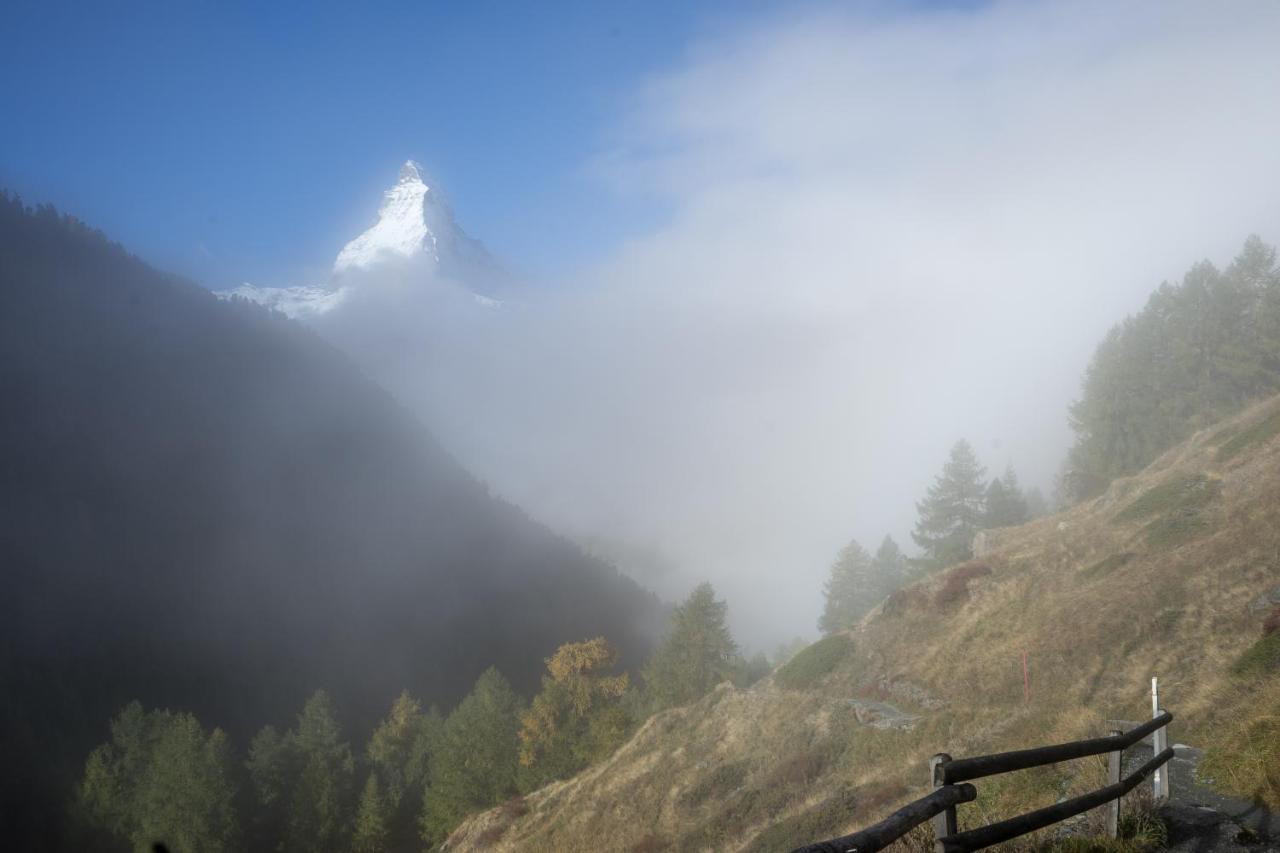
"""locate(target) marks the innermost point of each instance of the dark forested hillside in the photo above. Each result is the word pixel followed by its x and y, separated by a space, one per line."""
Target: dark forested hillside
pixel 204 507
pixel 1199 350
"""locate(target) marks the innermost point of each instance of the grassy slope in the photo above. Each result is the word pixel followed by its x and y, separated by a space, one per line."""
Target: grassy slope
pixel 1155 577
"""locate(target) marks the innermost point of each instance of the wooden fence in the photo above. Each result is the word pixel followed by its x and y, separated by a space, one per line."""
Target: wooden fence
pixel 950 778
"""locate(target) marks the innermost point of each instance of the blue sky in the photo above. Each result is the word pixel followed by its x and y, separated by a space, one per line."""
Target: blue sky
pixel 248 141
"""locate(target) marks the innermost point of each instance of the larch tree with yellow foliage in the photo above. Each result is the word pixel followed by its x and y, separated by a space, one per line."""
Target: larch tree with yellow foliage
pixel 577 718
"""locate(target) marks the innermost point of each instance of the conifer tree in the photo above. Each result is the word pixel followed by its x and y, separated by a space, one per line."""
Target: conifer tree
pixel 951 512
pixel 476 764
pixel 161 778
pixel 890 566
pixel 1004 503
pixel 371 834
pixel 1198 350
pixel 320 804
pixel 696 654
pixel 848 589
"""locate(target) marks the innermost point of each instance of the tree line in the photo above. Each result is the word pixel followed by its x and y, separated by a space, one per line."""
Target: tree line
pixel 1198 351
pixel 960 503
pixel 161 776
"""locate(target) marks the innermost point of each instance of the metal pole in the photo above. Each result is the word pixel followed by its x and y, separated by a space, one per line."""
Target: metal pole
pixel 1155 738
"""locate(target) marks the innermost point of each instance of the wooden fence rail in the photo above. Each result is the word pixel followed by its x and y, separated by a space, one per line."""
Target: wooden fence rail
pixel 950 778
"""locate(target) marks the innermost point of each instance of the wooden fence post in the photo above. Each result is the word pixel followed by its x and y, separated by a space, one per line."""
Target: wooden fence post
pixel 1113 777
pixel 944 823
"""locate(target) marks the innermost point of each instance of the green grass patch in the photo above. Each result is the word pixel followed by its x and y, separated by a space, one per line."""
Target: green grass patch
pixel 1263 430
pixel 1182 493
pixel 814 662
pixel 1106 566
pixel 1260 658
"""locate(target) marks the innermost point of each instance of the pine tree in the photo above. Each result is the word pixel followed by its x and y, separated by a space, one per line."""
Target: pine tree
pixel 400 751
pixel 1004 503
pixel 161 778
pixel 320 800
pixel 476 764
pixel 848 589
pixel 271 770
pixel 890 567
pixel 371 833
pixel 1198 350
pixel 696 654
pixel 951 512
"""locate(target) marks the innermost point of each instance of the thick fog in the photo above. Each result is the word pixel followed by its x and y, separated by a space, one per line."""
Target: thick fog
pixel 886 232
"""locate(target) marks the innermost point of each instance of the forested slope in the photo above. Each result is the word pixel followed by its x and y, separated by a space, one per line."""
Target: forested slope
pixel 204 507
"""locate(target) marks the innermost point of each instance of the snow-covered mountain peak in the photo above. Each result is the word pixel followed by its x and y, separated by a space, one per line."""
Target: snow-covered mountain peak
pixel 415 228
pixel 401 230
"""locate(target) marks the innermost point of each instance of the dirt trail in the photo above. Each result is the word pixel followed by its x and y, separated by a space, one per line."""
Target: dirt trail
pixel 1202 820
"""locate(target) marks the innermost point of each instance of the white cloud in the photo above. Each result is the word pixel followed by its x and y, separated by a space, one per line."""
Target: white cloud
pixel 889 231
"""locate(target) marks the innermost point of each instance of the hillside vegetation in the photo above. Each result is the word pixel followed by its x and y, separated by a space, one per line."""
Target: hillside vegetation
pixel 205 507
pixel 1171 572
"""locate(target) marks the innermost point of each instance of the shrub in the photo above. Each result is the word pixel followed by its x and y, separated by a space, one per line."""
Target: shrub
pixel 813 662
pixel 1271 624
pixel 650 844
pixel 491 835
pixel 955 584
pixel 514 808
pixel 902 600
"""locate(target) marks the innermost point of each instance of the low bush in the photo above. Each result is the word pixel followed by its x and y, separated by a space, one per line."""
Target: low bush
pixel 955 583
pixel 901 601
pixel 813 662
pixel 1271 624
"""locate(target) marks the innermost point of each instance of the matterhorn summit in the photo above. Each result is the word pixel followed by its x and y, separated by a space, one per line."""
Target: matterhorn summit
pixel 401 230
pixel 415 240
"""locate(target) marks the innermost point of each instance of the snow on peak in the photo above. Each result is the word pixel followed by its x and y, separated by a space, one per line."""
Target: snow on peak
pixel 411 171
pixel 401 230
pixel 415 224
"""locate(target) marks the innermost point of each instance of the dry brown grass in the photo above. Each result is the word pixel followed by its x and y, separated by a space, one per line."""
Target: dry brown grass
pixel 1093 639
